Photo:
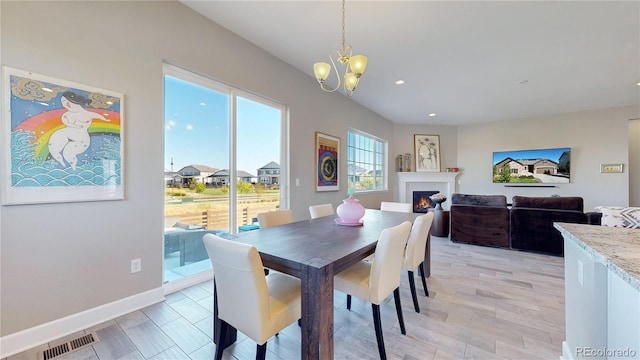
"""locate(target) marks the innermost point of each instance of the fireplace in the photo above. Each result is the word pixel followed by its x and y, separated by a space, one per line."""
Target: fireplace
pixel 421 201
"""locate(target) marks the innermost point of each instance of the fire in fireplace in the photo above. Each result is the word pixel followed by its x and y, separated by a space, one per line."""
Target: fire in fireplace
pixel 421 201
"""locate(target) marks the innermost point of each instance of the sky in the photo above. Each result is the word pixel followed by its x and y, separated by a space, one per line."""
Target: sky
pixel 197 129
pixel 551 154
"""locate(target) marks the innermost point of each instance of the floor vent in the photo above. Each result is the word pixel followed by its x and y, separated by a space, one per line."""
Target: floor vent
pixel 72 345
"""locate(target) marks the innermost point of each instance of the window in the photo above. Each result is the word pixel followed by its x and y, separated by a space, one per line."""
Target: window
pixel 367 169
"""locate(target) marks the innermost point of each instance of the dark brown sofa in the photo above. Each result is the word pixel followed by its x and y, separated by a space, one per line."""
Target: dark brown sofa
pixel 480 219
pixel 531 222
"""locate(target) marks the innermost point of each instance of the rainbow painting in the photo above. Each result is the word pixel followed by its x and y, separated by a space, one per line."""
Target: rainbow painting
pixel 64 140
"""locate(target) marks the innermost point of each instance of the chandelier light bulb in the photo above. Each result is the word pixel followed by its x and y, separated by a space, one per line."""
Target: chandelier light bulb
pixel 322 71
pixel 358 63
pixel 351 81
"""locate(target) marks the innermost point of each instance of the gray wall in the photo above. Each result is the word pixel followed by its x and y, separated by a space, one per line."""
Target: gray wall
pixel 634 163
pixel 595 137
pixel 61 259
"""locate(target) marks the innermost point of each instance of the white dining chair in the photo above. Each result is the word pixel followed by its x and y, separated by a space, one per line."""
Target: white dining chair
pixel 414 255
pixel 274 218
pixel 321 210
pixel 373 281
pixel 257 305
pixel 396 206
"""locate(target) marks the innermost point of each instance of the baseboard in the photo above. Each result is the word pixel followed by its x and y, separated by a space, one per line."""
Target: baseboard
pixel 177 285
pixel 26 339
pixel 567 353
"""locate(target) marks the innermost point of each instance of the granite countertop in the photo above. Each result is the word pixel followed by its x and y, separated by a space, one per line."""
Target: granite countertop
pixel 617 248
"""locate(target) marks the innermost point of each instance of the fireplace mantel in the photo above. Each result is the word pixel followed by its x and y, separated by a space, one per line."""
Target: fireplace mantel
pixel 447 180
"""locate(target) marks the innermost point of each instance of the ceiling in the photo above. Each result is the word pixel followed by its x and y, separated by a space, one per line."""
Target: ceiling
pixel 466 61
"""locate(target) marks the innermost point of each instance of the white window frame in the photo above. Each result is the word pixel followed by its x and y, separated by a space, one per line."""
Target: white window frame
pixel 384 160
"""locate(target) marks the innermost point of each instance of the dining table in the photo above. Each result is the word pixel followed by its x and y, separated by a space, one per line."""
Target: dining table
pixel 314 251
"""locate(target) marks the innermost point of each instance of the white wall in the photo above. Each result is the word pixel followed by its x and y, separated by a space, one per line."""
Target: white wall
pixel 595 137
pixel 62 259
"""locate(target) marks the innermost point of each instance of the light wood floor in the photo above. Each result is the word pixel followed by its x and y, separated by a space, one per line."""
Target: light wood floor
pixel 485 303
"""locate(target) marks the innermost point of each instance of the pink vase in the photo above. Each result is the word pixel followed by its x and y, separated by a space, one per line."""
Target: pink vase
pixel 350 211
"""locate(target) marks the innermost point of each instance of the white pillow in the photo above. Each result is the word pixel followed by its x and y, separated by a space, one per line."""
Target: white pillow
pixel 617 216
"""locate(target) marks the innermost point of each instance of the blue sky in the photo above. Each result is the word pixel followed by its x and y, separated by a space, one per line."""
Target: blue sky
pixel 551 154
pixel 197 129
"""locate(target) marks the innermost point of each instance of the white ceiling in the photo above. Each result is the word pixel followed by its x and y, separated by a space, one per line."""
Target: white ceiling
pixel 460 59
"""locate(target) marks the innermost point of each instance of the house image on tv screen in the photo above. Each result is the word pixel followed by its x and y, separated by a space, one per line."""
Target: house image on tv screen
pixel 532 166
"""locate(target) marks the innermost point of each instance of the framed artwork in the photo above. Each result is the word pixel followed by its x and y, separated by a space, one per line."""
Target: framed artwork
pixel 611 168
pixel 427 152
pixel 327 159
pixel 61 141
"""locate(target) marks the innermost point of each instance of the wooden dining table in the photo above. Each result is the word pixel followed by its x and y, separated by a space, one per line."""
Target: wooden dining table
pixel 314 251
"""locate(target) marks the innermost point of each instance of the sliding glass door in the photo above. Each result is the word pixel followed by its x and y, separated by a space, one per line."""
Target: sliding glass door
pixel 224 157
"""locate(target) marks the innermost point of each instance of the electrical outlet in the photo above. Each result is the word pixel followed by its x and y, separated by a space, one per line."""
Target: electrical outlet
pixel 580 273
pixel 136 265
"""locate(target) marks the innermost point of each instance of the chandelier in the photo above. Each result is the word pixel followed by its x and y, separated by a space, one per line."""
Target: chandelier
pixel 354 66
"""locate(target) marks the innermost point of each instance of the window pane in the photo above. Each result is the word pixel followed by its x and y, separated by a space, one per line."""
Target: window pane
pixel 196 150
pixel 365 160
pixel 258 151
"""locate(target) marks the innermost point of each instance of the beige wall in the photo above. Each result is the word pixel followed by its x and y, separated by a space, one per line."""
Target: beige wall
pixel 595 137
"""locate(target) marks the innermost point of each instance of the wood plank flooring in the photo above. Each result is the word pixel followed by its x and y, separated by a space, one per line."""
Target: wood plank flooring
pixel 485 303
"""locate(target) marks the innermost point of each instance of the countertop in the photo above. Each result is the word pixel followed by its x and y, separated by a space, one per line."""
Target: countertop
pixel 617 248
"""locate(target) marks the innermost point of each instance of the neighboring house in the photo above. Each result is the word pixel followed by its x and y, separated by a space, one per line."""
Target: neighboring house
pixel 523 167
pixel 221 177
pixel 172 178
pixel 199 172
pixel 269 174
pixel 354 172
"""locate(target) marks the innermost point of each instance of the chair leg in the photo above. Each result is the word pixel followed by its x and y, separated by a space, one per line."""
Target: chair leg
pixel 221 335
pixel 414 296
pixel 261 351
pixel 424 279
pixel 348 302
pixel 378 326
pixel 396 297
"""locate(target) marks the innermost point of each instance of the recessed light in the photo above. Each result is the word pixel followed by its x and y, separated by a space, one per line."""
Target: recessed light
pixel 432 114
pixel 522 82
pixel 638 84
pixel 399 82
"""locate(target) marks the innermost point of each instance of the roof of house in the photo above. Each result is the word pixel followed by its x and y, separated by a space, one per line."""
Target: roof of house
pixel 225 172
pixel 202 168
pixel 271 165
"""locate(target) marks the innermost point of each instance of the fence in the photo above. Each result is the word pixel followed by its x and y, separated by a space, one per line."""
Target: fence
pixel 219 219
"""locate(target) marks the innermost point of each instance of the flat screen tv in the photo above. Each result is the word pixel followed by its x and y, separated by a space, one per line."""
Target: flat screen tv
pixel 541 166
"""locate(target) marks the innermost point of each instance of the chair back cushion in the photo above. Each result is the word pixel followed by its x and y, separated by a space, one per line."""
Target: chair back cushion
pixel 243 297
pixel 275 218
pixel 387 262
pixel 574 203
pixel 617 216
pixel 322 210
pixel 417 243
pixel 396 206
pixel 479 200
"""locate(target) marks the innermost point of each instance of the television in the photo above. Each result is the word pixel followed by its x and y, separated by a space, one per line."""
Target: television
pixel 539 166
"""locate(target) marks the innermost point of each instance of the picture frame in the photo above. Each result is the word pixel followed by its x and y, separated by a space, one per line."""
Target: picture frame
pixel 61 141
pixel 327 157
pixel 611 168
pixel 426 150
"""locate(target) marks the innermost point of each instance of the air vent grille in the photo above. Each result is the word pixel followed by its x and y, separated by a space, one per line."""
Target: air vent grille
pixel 72 345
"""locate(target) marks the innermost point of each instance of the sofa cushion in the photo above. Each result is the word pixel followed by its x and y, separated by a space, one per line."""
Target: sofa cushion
pixel 479 200
pixel 617 216
pixel 562 203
